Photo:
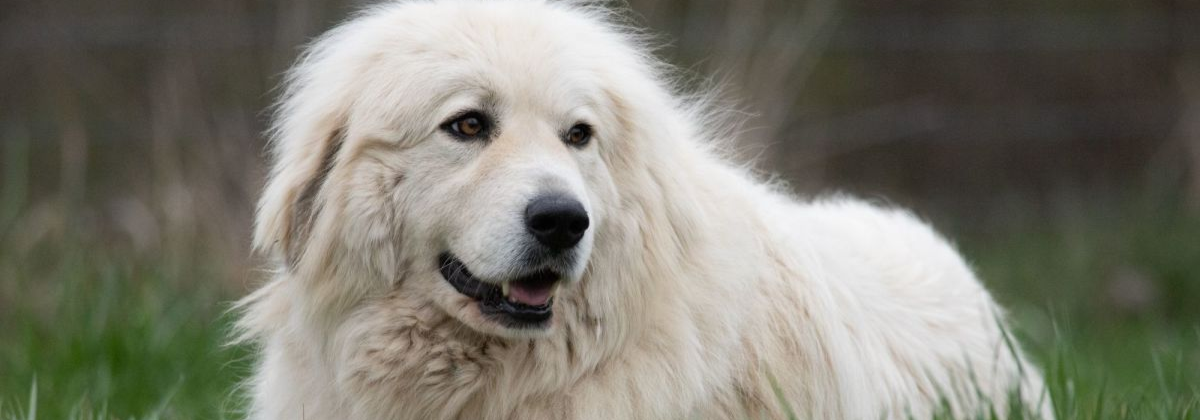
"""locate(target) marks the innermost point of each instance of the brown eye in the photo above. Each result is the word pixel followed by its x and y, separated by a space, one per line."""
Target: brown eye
pixel 578 135
pixel 471 125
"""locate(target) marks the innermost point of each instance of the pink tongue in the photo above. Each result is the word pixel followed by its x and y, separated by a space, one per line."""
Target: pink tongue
pixel 529 295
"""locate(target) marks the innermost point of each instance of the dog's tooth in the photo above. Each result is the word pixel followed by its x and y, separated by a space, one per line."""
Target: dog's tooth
pixel 504 288
pixel 554 289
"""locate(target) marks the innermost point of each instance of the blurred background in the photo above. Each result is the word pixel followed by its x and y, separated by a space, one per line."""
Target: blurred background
pixel 1057 142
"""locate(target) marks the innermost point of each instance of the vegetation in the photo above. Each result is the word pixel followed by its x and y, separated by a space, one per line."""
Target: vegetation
pixel 86 333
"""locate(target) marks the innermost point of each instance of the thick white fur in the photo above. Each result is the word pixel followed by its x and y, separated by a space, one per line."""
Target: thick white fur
pixel 695 290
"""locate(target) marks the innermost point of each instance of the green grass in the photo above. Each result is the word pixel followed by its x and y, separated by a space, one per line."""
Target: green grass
pixel 89 330
pixel 85 333
pixel 1109 303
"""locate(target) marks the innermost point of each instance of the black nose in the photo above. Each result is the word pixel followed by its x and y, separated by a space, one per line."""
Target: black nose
pixel 556 220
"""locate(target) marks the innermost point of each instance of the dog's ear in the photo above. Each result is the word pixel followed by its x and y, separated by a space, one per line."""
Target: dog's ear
pixel 291 201
pixel 310 124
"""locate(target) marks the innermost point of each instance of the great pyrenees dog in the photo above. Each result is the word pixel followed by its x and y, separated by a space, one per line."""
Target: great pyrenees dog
pixel 503 210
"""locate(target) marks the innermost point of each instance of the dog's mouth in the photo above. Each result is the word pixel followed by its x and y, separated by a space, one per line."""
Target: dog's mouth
pixel 524 302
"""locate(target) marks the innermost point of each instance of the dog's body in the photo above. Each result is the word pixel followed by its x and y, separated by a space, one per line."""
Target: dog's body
pixel 415 140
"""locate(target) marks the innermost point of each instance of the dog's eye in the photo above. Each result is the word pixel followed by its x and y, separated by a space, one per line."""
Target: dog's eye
pixel 578 135
pixel 471 125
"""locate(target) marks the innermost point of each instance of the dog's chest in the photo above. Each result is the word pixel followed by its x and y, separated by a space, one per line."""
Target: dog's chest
pixel 404 362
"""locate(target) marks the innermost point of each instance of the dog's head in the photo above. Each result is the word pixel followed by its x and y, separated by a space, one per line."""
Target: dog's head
pixel 463 152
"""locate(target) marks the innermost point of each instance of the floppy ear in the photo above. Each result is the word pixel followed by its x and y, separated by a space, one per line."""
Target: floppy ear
pixel 291 200
pixel 309 127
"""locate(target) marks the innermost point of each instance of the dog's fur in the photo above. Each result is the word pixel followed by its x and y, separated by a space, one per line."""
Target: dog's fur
pixel 697 291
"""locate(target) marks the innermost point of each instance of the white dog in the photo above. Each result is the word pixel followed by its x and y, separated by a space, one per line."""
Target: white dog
pixel 498 210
